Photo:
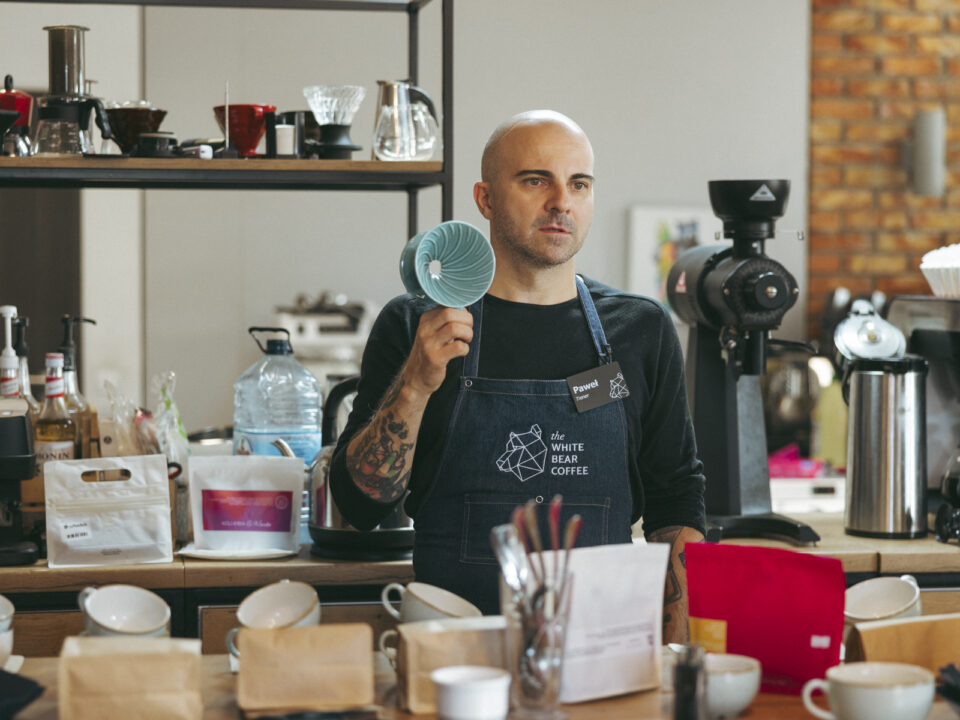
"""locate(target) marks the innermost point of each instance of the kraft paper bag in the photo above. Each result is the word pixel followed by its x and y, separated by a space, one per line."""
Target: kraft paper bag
pixel 320 667
pixel 781 607
pixel 132 678
pixel 424 646
pixel 931 641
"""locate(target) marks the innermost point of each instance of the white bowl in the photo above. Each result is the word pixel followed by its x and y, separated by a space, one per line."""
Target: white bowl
pixel 732 683
pixel 471 692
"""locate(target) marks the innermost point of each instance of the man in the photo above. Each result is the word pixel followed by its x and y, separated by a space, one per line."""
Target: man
pixel 474 429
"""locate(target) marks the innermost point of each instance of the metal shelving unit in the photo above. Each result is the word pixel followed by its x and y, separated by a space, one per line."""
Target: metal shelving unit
pixel 264 174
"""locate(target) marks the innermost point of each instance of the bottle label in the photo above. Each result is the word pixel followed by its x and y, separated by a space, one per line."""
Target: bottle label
pixel 53 387
pixel 305 445
pixel 247 510
pixel 10 387
pixel 47 451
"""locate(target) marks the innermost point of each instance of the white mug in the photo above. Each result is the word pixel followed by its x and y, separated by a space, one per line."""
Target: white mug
pixel 871 690
pixel 732 683
pixel 882 598
pixel 6 614
pixel 282 604
pixel 123 611
pixel 6 646
pixel 419 601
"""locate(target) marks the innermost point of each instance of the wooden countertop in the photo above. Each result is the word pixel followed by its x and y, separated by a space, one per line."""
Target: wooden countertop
pixel 304 567
pixel 858 555
pixel 219 698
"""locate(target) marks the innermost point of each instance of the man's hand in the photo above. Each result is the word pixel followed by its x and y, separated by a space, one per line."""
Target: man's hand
pixel 380 457
pixel 675 607
pixel 442 335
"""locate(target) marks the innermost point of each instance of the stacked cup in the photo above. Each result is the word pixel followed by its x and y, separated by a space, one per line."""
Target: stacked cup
pixel 6 630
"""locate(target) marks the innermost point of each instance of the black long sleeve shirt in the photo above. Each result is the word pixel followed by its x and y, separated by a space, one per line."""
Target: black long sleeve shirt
pixel 547 342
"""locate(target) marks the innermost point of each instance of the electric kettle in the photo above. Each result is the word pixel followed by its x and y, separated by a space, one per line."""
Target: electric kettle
pixel 406 125
pixel 886 433
pixel 332 535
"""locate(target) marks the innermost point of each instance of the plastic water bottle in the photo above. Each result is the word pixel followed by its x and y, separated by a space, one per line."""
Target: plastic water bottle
pixel 277 397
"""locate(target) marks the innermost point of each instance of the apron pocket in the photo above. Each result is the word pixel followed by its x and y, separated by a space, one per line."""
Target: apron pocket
pixel 481 512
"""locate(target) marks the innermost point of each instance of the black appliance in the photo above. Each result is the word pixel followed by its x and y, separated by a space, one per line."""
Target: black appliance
pixel 732 297
pixel 17 463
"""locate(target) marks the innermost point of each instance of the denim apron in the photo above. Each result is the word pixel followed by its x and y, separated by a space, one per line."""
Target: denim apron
pixel 509 441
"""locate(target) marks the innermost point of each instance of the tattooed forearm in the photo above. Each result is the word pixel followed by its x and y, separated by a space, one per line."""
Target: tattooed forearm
pixel 675 610
pixel 380 458
pixel 379 465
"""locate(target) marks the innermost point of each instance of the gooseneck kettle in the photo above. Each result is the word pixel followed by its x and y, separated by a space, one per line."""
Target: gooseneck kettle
pixel 332 535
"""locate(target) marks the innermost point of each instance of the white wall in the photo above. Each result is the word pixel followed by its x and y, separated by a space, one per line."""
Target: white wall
pixel 671 94
pixel 111 231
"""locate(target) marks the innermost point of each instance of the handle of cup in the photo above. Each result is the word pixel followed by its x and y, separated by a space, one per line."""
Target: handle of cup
pixel 385 598
pixel 808 689
pixel 232 642
pixel 82 598
pixel 388 650
pixel 910 579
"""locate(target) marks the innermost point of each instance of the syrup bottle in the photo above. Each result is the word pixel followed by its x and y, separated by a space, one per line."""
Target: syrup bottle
pixel 82 412
pixel 23 352
pixel 9 365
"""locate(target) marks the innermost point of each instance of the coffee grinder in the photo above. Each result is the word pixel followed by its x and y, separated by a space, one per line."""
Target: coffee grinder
pixel 732 297
pixel 64 114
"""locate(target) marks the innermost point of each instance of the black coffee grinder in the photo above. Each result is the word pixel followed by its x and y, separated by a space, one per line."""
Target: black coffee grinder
pixel 732 297
pixel 17 463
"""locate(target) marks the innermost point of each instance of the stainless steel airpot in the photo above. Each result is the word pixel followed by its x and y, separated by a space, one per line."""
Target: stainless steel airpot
pixel 885 390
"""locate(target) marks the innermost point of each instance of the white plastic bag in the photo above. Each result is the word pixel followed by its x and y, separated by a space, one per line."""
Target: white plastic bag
pixel 246 502
pixel 108 511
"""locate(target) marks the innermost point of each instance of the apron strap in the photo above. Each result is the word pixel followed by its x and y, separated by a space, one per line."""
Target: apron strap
pixel 471 363
pixel 593 319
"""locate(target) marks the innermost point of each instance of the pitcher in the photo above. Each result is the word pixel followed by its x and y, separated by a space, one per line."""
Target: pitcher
pixel 406 125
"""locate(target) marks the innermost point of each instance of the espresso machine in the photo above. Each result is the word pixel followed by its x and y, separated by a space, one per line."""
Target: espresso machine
pixel 732 297
pixel 17 463
pixel 63 126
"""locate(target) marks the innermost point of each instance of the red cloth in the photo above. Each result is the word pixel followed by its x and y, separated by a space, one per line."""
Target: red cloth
pixel 781 607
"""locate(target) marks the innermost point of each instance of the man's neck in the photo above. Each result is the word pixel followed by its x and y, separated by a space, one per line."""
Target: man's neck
pixel 540 286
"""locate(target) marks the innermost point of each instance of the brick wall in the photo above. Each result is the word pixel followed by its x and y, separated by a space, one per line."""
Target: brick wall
pixel 874 63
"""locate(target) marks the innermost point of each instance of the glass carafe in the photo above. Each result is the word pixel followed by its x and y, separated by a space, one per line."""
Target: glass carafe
pixel 425 132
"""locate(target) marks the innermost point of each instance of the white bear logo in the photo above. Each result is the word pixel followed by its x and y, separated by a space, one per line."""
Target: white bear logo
pixel 525 454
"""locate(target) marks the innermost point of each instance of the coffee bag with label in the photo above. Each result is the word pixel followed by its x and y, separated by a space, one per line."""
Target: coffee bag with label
pixel 108 511
pixel 246 502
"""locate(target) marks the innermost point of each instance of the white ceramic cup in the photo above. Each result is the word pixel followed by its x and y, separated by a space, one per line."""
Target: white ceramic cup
pixel 281 604
pixel 732 683
pixel 882 598
pixel 123 611
pixel 419 601
pixel 6 646
pixel 871 690
pixel 471 692
pixel 6 614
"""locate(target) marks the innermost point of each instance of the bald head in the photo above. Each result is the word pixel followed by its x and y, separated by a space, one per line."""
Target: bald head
pixel 492 158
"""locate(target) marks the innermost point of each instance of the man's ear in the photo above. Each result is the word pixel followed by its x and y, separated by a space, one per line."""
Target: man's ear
pixel 481 196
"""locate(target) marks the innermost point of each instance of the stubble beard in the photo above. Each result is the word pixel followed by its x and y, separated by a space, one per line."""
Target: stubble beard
pixel 522 245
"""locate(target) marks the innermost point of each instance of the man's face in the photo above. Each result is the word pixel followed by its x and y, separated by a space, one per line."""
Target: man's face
pixel 540 200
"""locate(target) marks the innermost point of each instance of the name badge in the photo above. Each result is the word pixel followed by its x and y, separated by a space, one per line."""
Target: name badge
pixel 597 387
